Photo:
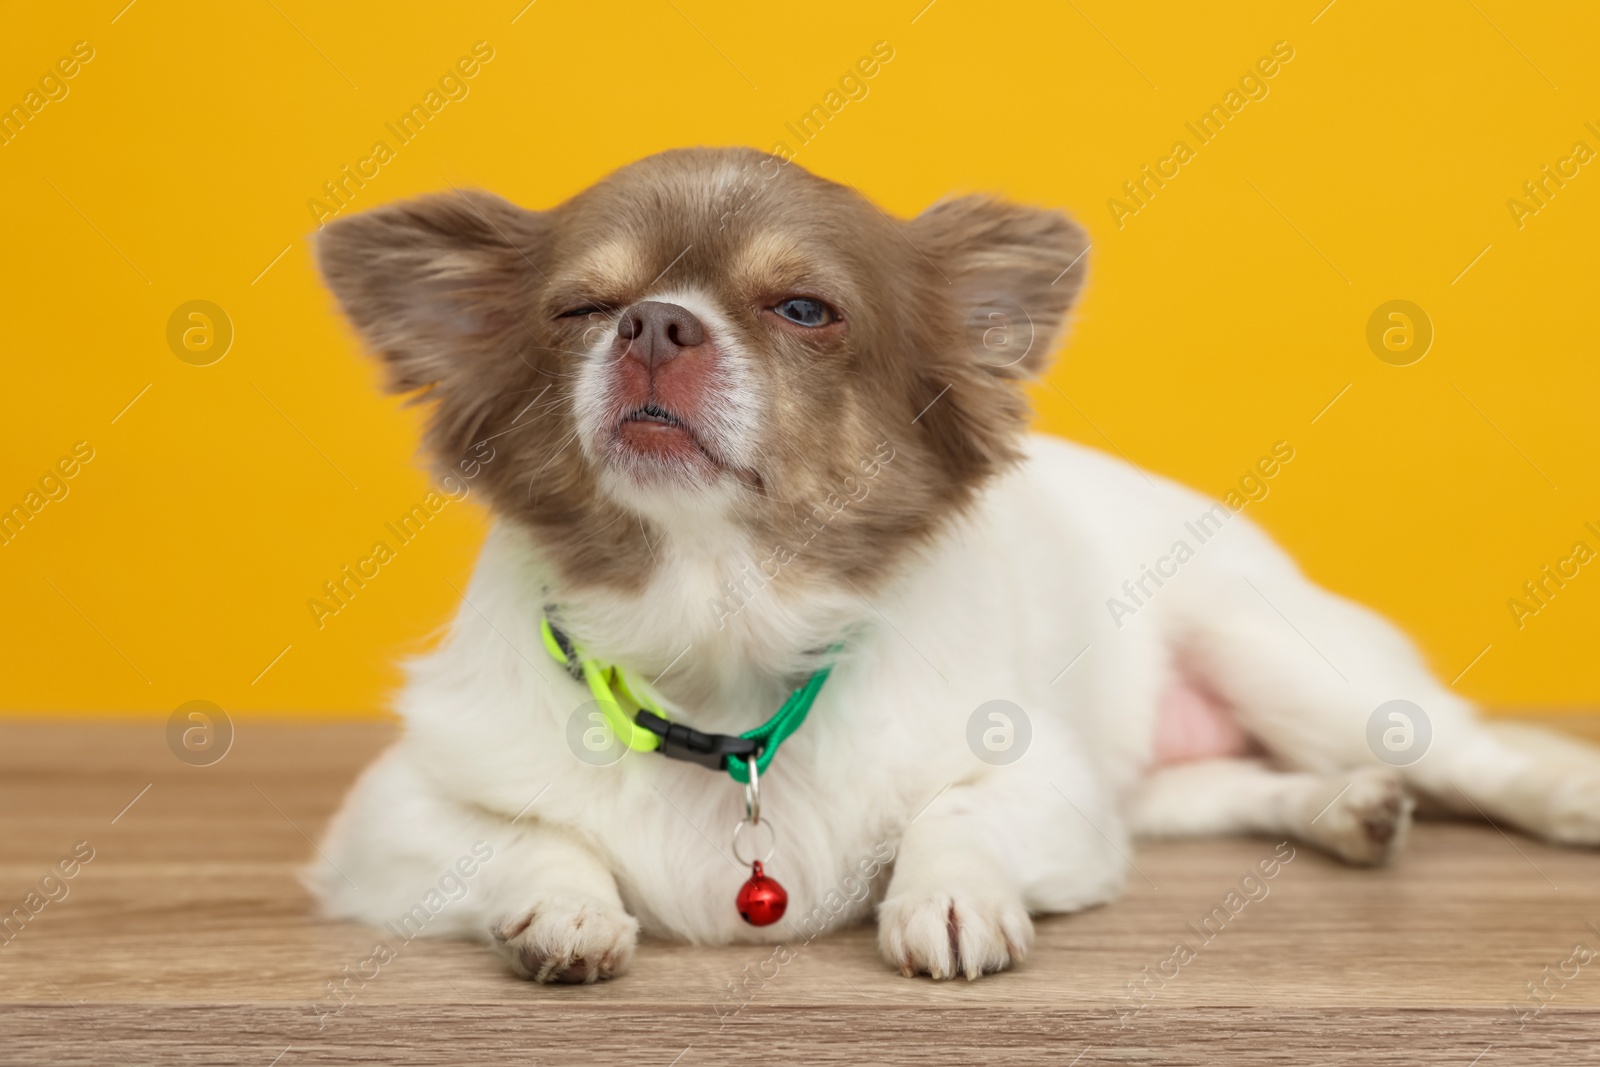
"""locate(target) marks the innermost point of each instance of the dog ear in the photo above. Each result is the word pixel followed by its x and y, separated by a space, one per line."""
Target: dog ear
pixel 437 286
pixel 1015 271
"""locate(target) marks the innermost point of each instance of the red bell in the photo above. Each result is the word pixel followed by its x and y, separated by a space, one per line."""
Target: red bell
pixel 762 900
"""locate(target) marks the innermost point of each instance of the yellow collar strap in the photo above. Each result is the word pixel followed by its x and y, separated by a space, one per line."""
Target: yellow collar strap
pixel 617 700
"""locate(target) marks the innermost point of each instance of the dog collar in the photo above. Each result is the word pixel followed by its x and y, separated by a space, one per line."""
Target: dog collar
pixel 641 723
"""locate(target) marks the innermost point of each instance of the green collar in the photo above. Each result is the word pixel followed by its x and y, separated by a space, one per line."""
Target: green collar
pixel 640 723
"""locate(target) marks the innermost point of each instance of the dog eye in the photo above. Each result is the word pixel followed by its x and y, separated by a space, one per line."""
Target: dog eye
pixel 804 311
pixel 585 311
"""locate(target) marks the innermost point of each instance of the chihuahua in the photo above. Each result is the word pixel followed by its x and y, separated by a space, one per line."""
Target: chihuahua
pixel 751 435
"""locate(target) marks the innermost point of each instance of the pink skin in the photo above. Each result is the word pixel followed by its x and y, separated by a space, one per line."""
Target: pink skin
pixel 1194 725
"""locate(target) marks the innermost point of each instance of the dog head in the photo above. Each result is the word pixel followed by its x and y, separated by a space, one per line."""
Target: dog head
pixel 713 344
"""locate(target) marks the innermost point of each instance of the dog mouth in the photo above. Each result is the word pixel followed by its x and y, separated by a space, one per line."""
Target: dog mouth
pixel 654 432
pixel 654 413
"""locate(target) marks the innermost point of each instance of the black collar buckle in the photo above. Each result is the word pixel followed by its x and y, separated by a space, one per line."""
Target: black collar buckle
pixel 694 746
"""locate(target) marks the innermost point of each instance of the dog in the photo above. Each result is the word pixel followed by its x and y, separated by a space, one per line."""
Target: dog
pixel 739 430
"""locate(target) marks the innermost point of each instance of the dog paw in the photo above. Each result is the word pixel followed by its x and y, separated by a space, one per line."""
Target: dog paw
pixel 1367 822
pixel 571 941
pixel 945 935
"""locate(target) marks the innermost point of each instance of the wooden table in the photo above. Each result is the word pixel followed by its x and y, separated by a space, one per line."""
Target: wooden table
pixel 186 940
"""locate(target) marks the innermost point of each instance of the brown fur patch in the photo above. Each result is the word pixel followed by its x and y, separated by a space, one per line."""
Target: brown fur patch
pixel 461 296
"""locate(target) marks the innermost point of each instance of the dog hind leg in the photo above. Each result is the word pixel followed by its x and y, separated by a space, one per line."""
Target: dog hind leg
pixel 1361 817
pixel 1308 675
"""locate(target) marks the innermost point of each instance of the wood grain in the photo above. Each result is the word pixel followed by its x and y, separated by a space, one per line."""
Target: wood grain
pixel 187 940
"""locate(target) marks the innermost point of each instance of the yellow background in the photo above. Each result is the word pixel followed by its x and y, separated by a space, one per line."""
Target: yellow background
pixel 1221 318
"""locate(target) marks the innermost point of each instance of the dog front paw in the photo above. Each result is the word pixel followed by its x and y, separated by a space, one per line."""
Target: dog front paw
pixel 944 935
pixel 571 941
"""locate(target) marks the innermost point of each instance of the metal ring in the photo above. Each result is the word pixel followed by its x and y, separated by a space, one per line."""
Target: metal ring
pixel 739 829
pixel 752 793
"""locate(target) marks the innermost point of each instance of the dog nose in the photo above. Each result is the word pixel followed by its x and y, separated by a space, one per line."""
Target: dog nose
pixel 656 331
